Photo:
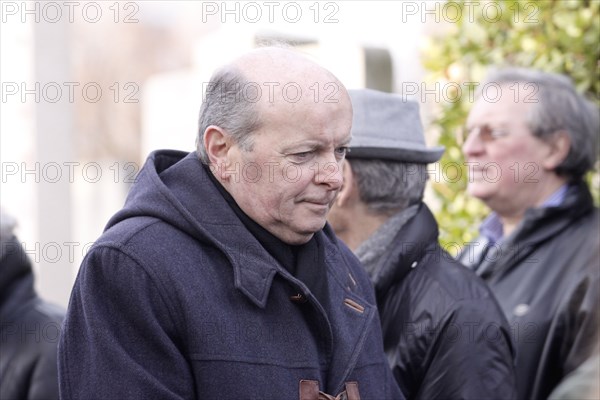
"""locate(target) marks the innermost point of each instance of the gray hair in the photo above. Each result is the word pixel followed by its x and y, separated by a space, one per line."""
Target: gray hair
pixel 558 107
pixel 228 105
pixel 388 187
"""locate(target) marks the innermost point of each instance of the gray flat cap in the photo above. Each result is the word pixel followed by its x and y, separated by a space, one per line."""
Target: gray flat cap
pixel 388 127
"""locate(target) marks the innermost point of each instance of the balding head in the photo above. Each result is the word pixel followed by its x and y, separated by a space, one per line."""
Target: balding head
pixel 272 64
pixel 261 82
pixel 274 128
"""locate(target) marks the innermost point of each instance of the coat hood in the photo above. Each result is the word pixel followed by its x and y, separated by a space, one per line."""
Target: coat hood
pixel 154 194
pixel 189 206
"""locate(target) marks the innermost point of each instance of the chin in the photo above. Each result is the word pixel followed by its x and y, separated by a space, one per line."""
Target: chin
pixel 314 226
pixel 304 233
pixel 479 191
pixel 299 240
pixel 296 238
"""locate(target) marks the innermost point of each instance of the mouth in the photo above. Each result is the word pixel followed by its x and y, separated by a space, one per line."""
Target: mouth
pixel 318 203
pixel 321 201
pixel 319 206
pixel 476 171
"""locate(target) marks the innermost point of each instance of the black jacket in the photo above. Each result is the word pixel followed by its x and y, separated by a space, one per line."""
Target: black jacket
pixel 444 334
pixel 29 330
pixel 545 277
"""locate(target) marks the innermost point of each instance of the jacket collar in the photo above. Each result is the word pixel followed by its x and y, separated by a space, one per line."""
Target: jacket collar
pixel 493 229
pixel 379 243
pixel 409 246
pixel 537 226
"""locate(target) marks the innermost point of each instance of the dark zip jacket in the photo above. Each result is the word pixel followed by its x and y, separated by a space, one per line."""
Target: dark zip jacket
pixel 546 279
pixel 177 300
pixel 444 333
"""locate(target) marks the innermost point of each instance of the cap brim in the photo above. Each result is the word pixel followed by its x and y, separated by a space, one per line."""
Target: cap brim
pixel 430 155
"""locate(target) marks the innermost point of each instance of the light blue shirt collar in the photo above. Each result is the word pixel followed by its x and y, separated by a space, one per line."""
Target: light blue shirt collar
pixel 492 227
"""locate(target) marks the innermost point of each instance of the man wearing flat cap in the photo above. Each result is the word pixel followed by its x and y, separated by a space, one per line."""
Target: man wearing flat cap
pixel 444 333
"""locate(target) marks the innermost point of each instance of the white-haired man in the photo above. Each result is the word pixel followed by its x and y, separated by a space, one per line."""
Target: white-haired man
pixel 528 151
pixel 444 334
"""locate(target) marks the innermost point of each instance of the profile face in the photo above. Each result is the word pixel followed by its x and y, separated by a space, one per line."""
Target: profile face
pixel 506 168
pixel 289 180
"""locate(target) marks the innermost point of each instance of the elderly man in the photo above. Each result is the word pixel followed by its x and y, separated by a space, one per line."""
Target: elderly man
pixel 444 334
pixel 530 141
pixel 219 279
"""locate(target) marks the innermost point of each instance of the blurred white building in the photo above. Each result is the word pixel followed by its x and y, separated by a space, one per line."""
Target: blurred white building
pixel 88 89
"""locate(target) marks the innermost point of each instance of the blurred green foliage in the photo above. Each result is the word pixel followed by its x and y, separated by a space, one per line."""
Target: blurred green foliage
pixel 556 36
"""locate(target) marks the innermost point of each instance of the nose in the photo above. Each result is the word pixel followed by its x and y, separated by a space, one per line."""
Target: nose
pixel 329 172
pixel 473 146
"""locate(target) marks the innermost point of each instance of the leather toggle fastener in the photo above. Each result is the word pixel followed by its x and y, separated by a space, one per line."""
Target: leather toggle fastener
pixel 299 298
pixel 309 390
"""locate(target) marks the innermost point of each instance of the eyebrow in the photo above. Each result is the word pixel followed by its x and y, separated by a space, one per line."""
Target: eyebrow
pixel 311 145
pixel 487 125
pixel 347 141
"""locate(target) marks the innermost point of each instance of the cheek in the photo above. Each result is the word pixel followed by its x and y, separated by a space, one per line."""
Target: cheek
pixel 519 153
pixel 293 179
pixel 275 195
pixel 290 175
pixel 521 165
pixel 487 181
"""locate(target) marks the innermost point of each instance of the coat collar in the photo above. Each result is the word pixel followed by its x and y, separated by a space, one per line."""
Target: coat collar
pixel 541 223
pixel 409 246
pixel 215 221
pixel 175 188
pixel 346 314
pixel 537 226
pixel 195 205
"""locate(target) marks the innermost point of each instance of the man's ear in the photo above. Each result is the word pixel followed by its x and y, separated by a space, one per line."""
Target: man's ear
pixel 349 190
pixel 560 144
pixel 217 143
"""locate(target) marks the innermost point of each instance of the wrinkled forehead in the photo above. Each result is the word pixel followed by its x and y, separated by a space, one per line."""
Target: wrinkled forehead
pixel 508 91
pixel 502 103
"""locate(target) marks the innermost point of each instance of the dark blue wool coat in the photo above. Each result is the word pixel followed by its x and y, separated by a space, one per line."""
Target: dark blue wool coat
pixel 177 300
